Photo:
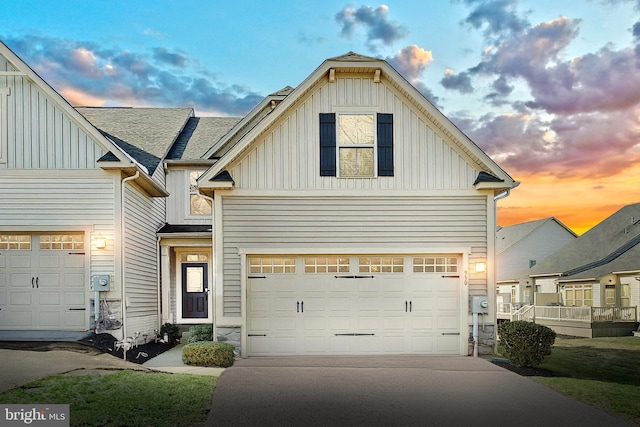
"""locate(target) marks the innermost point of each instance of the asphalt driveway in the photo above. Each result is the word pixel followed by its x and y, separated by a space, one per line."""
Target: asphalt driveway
pixel 390 391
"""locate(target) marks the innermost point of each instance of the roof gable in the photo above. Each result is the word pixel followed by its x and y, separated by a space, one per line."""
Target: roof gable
pixel 508 236
pixel 20 68
pixel 354 63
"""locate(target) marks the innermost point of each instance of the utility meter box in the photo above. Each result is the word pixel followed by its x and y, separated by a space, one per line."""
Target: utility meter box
pixel 480 304
pixel 101 282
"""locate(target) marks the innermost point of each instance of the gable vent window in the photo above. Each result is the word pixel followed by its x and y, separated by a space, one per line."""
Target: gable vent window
pixel 356 145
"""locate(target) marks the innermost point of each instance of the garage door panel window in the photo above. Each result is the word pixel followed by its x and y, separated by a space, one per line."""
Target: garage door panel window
pixel 62 242
pixel 381 265
pixel 15 242
pixel 316 265
pixel 435 265
pixel 279 265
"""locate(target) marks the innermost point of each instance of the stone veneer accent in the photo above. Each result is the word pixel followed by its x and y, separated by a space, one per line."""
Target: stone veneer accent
pixel 486 336
pixel 230 335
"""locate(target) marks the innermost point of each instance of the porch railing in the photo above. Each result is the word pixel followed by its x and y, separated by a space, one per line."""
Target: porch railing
pixel 519 311
pixel 587 314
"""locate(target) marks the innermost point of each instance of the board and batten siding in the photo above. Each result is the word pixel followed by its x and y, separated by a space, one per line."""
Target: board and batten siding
pixel 143 216
pixel 362 223
pixel 287 157
pixel 39 134
pixel 178 200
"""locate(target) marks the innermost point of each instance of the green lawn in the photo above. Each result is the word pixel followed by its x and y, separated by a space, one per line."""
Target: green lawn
pixel 603 372
pixel 119 398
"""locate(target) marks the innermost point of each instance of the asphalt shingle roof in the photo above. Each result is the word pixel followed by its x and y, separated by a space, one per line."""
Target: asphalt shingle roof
pixel 144 133
pixel 612 245
pixel 200 133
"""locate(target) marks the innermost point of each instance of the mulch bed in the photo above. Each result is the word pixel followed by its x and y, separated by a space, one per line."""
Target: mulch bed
pixel 98 343
pixel 106 343
pixel 524 371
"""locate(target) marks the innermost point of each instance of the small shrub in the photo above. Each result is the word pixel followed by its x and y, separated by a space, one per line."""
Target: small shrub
pixel 208 353
pixel 200 333
pixel 525 343
pixel 172 331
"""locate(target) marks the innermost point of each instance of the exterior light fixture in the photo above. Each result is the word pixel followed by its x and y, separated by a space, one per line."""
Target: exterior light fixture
pixel 481 267
pixel 101 242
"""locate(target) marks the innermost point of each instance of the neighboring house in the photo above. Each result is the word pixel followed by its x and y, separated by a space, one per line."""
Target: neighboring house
pixel 346 216
pixel 593 282
pixel 68 192
pixel 520 247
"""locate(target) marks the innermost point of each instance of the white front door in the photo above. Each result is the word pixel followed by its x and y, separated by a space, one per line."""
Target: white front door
pixel 353 305
pixel 42 281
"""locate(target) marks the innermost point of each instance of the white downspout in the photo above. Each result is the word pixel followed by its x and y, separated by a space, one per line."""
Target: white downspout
pixel 499 196
pixel 212 295
pixel 122 269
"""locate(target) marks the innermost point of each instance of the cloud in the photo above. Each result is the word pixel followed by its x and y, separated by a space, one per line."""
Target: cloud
pixel 163 55
pixel 376 21
pixel 499 18
pixel 460 82
pixel 112 76
pixel 411 62
pixel 582 146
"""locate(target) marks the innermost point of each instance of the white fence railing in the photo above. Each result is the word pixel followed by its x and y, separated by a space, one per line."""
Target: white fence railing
pixel 585 314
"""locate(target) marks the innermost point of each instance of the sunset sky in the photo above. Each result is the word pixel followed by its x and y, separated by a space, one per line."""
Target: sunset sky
pixel 549 89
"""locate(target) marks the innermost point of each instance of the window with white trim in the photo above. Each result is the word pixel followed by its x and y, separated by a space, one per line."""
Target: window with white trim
pixel 356 145
pixel 272 265
pixel 435 265
pixel 381 265
pixel 578 295
pixel 61 241
pixel 326 265
pixel 625 295
pixel 15 242
pixel 198 205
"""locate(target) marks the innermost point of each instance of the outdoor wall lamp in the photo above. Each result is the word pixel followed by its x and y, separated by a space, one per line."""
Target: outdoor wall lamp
pixel 481 267
pixel 101 242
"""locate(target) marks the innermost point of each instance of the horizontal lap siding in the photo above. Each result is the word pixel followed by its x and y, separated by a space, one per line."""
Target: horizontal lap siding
pixel 45 198
pixel 143 217
pixel 334 222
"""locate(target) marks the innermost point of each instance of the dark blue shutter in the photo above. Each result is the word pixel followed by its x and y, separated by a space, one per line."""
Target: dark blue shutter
pixel 385 144
pixel 327 144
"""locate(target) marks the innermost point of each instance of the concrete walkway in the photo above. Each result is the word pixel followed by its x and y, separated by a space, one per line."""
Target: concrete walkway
pixel 171 361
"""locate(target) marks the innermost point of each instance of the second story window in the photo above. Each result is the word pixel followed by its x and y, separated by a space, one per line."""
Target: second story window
pixel 198 205
pixel 356 145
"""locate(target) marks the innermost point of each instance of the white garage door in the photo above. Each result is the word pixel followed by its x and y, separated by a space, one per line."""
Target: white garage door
pixel 42 282
pixel 353 305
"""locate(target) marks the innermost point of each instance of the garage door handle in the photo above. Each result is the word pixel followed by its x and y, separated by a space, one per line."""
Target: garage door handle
pixel 257 277
pixel 77 309
pixel 32 279
pixel 257 335
pixel 353 334
pixel 451 333
pixel 37 284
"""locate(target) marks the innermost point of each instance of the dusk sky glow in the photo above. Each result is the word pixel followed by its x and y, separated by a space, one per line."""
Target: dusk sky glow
pixel 549 89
